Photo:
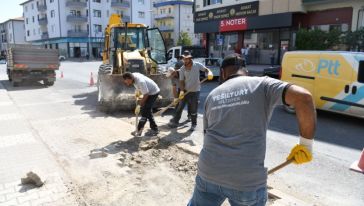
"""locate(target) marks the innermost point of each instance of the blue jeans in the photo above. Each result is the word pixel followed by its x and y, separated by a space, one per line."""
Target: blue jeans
pixel 209 194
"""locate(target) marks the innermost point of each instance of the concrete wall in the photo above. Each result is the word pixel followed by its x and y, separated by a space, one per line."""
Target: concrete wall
pixel 355 4
pixel 265 6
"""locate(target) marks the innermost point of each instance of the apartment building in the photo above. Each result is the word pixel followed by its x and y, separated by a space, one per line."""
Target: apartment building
pixel 228 25
pixel 76 27
pixel 174 17
pixel 11 32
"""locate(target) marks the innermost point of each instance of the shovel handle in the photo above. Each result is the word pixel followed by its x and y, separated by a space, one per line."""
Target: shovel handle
pixel 164 109
pixel 280 166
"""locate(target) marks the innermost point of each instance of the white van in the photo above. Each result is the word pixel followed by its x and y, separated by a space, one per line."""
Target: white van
pixel 199 54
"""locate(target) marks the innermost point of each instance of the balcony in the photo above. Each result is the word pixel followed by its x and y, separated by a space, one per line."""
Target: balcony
pixel 166 28
pixel 77 33
pixel 76 18
pixel 43 21
pixel 45 35
pixel 120 4
pixel 126 18
pixel 42 7
pixel 163 16
pixel 76 4
pixel 317 1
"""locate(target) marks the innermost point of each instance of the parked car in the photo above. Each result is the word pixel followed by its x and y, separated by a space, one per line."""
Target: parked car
pixel 274 72
pixel 62 58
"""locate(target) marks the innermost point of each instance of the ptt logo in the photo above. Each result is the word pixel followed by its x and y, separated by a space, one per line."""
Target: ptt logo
pixel 331 66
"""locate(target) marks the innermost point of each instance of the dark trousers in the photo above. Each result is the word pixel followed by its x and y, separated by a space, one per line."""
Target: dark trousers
pixel 191 99
pixel 188 109
pixel 147 114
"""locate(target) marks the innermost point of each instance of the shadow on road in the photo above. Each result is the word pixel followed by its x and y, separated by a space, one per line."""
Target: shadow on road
pixel 331 127
pixel 136 144
pixel 26 85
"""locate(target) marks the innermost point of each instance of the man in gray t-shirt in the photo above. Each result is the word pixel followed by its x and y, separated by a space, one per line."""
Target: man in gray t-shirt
pixel 189 76
pixel 237 113
pixel 150 91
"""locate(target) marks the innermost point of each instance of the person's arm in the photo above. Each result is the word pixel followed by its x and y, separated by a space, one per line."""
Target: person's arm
pixel 302 101
pixel 174 90
pixel 182 79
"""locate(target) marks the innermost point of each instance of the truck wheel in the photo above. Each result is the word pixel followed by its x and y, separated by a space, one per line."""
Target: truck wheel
pixel 289 109
pixel 48 83
pixel 9 76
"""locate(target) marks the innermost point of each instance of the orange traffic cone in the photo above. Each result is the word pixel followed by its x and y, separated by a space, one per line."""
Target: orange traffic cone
pixel 358 165
pixel 92 80
pixel 61 74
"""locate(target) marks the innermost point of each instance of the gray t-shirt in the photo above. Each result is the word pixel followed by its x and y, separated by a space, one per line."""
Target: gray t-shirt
pixel 145 84
pixel 236 118
pixel 192 77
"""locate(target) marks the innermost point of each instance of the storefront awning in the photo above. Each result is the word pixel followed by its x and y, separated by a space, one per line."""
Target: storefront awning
pixel 245 23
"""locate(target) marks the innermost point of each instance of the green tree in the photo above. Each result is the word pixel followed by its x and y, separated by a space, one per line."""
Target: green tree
pixel 317 39
pixel 354 39
pixel 184 40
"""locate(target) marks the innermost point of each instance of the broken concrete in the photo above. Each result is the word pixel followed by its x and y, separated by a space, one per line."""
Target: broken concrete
pixel 32 178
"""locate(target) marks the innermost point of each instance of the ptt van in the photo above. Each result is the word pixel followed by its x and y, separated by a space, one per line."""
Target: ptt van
pixel 335 79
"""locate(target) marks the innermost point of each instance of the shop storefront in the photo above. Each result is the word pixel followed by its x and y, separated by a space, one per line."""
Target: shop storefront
pixel 228 29
pixel 75 47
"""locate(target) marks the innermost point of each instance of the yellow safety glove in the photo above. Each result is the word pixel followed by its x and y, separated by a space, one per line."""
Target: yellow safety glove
pixel 137 109
pixel 175 101
pixel 210 75
pixel 301 153
pixel 181 95
pixel 138 94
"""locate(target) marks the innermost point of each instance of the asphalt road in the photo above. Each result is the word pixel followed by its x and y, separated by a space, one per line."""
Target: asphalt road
pixel 327 180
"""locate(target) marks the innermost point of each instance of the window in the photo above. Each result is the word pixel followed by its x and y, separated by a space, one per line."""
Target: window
pixel 141 14
pixel 33 19
pixel 26 8
pixel 96 1
pixel 141 1
pixel 75 13
pixel 97 13
pixel 26 20
pixel 34 32
pixel 169 10
pixel 53 28
pixel 211 2
pixel 176 53
pixel 97 28
pixel 28 33
pixel 51 1
pixel 52 14
pixel 361 72
pixel 32 6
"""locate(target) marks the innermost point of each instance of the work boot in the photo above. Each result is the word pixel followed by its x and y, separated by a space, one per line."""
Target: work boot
pixel 193 127
pixel 137 133
pixel 152 132
pixel 172 124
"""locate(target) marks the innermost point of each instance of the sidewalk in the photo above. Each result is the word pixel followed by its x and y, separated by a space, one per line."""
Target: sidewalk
pixel 21 151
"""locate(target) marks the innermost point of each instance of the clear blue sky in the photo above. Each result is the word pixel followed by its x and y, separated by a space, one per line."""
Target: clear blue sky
pixel 10 9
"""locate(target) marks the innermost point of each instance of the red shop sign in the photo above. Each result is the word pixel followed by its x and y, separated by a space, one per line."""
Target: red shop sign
pixel 233 24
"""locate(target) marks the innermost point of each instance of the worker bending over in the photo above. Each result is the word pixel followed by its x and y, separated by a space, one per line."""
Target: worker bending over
pixel 150 92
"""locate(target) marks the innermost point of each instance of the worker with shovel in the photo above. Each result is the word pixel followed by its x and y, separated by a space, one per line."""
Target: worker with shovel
pixel 189 82
pixel 236 117
pixel 150 92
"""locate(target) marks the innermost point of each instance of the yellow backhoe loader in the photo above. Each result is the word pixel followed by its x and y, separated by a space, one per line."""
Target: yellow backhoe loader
pixel 130 47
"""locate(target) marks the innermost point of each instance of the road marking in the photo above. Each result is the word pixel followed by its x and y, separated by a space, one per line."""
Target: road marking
pixel 11 140
pixel 10 116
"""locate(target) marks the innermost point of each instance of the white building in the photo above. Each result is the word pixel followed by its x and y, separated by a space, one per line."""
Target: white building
pixel 11 32
pixel 173 18
pixel 76 27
